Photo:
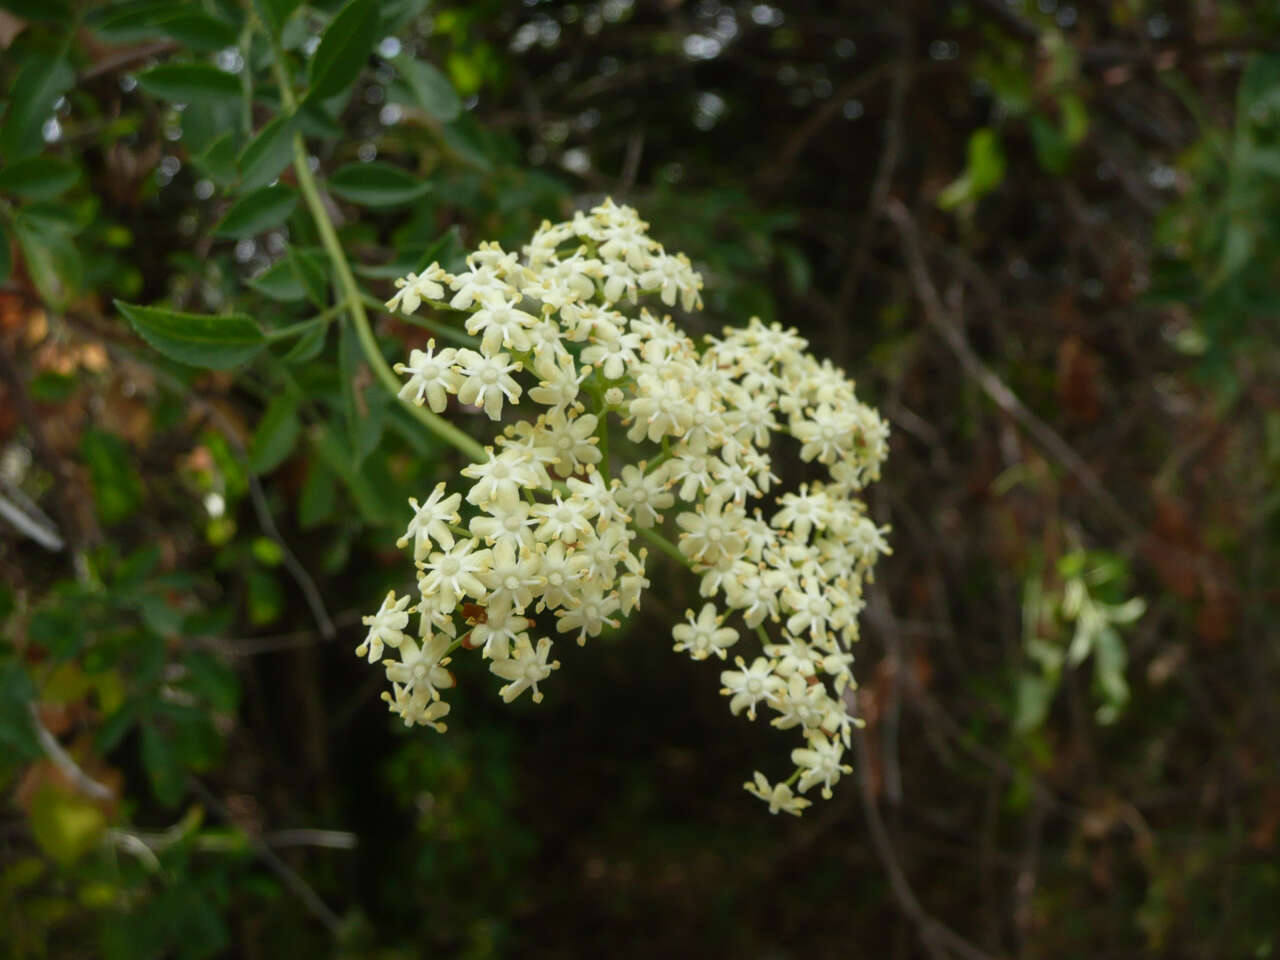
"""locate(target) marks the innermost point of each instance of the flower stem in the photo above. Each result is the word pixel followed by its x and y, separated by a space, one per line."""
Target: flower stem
pixel 348 287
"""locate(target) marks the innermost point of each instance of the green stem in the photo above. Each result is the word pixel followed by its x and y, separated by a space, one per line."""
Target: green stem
pixel 441 330
pixel 665 545
pixel 350 291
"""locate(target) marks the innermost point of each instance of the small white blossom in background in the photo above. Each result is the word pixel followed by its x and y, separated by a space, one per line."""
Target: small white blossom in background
pixel 567 353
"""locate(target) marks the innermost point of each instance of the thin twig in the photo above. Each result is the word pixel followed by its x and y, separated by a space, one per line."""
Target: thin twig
pixel 884 174
pixel 29 519
pixel 995 388
pixel 288 876
pixel 65 763
pixel 43 452
pixel 936 937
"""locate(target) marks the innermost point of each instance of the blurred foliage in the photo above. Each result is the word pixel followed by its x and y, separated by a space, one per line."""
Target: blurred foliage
pixel 1069 689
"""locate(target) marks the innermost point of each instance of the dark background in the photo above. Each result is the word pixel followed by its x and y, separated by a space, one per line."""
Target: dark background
pixel 1041 237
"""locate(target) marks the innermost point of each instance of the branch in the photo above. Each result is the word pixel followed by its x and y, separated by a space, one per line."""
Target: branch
pixel 288 876
pixel 992 385
pixel 936 936
pixel 65 763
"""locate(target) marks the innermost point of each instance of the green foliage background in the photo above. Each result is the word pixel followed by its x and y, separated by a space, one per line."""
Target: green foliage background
pixel 1042 237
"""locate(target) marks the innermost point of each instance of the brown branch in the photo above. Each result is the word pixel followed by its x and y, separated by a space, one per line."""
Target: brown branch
pixel 936 936
pixel 940 319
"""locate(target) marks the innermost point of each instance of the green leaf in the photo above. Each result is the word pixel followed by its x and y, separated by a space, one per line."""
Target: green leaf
pixel 274 13
pixel 468 140
pixel 17 736
pixel 199 31
pixel 376 184
pixel 39 84
pixel 194 83
pixel 201 340
pixel 258 211
pixel 190 27
pixel 164 768
pixel 39 178
pixel 430 88
pixel 1053 150
pixel 311 268
pixel 297 275
pixel 268 153
pixel 309 345
pixel 52 259
pixel 344 48
pixel 66 825
pixel 985 171
pixel 40 10
pixel 117 488
pixel 319 498
pixel 275 436
pixel 218 161
pixel 280 282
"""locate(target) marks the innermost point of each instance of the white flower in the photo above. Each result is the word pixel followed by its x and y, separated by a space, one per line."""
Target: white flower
pixel 704 636
pixel 385 626
pixel 572 439
pixel 590 614
pixel 643 494
pixel 749 685
pixel 430 521
pixel 487 380
pixel 500 478
pixel 502 325
pixel 507 523
pixel 414 288
pixel 447 577
pixel 524 669
pixel 431 376
pixel 821 763
pixel 778 796
pixel 421 668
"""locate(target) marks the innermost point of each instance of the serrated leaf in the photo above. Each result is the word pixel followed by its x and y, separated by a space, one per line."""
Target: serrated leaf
pixel 201 340
pixel 39 84
pixel 376 184
pixel 275 436
pixel 268 153
pixel 344 48
pixel 39 178
pixel 255 212
pixel 431 89
pixel 201 83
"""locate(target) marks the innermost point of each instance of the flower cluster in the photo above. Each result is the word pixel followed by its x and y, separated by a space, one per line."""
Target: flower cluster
pixel 549 543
